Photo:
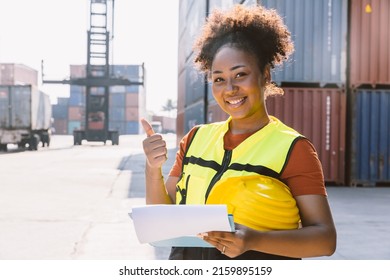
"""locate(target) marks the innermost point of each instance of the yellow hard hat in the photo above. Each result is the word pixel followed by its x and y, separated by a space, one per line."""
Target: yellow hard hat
pixel 259 202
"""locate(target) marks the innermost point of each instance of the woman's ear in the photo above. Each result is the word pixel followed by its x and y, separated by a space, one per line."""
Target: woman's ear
pixel 267 74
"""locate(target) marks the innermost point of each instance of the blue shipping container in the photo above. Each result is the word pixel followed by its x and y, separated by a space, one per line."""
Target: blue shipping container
pixel 117 99
pixel 371 137
pixel 72 125
pixel 319 33
pixel 132 127
pixel 131 72
pixel 194 115
pixel 60 111
pixel 195 85
pixel 117 114
pixel 119 126
pixel 77 97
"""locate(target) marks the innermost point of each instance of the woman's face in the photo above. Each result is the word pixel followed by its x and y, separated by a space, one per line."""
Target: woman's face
pixel 237 83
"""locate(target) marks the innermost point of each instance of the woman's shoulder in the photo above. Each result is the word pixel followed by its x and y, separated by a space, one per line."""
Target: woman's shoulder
pixel 303 171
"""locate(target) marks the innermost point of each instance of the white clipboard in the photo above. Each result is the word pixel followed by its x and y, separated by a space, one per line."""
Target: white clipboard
pixel 177 225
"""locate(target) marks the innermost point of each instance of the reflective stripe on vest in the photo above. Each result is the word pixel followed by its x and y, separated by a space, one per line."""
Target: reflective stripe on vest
pixel 206 161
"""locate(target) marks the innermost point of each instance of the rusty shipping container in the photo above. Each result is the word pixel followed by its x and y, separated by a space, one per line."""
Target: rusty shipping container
pixel 369 43
pixel 215 113
pixel 60 126
pixel 76 113
pixel 179 127
pixel 370 156
pixel 320 115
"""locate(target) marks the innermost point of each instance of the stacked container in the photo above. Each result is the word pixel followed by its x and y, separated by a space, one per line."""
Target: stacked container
pixel 191 87
pixel 370 92
pixel 126 103
pixel 17 74
pixel 314 79
pixel 60 116
pixel 77 100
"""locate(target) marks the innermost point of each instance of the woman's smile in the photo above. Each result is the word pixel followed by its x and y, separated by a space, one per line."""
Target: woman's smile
pixel 236 101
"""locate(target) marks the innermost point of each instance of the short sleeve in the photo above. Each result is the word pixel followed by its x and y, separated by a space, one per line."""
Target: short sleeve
pixel 303 171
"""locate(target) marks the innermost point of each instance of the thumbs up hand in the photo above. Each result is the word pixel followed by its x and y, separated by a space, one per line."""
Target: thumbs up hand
pixel 147 127
pixel 155 147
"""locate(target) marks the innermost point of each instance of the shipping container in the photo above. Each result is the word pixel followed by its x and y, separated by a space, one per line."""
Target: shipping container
pixel 369 43
pixel 168 124
pixel 132 100
pixel 195 18
pixel 320 115
pixel 131 72
pixel 120 126
pixel 77 96
pixel 179 127
pixel 25 116
pixel 78 71
pixel 17 74
pixel 221 4
pixel 75 125
pixel 63 101
pixel 215 113
pixel 180 107
pixel 183 8
pixel 60 111
pixel 319 32
pixel 181 91
pixel 132 127
pixel 370 156
pixel 117 114
pixel 181 50
pixel 117 99
pixel 117 89
pixel 60 126
pixel 76 113
pixel 120 98
pixel 195 84
pixel 132 114
pixel 194 115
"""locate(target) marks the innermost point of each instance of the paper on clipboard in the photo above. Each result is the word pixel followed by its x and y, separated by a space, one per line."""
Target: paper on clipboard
pixel 166 225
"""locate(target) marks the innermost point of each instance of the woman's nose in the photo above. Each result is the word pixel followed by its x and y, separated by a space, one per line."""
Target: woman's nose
pixel 231 87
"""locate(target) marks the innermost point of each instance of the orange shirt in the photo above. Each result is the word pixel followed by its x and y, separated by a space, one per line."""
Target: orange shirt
pixel 302 173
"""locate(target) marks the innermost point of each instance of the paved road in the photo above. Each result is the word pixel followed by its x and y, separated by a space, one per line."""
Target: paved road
pixel 72 202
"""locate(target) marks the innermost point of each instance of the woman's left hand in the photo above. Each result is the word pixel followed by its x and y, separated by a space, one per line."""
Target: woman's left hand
pixel 232 244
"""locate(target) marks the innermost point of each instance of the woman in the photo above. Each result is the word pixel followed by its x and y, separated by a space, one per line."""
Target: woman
pixel 237 50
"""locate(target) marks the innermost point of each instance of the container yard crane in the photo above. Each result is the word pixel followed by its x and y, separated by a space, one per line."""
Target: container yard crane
pixel 98 76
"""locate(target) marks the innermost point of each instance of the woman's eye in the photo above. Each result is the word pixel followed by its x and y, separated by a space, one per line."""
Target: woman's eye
pixel 241 74
pixel 218 80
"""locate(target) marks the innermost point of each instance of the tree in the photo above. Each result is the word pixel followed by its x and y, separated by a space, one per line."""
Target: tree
pixel 169 106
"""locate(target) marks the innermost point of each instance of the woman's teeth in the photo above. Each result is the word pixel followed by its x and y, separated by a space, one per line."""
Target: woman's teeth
pixel 234 102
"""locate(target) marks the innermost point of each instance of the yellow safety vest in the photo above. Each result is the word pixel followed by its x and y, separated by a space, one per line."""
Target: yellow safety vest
pixel 206 161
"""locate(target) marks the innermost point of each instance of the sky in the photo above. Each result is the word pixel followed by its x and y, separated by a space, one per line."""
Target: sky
pixel 55 31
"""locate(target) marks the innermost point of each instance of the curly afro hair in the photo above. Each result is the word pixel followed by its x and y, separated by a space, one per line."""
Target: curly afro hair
pixel 255 29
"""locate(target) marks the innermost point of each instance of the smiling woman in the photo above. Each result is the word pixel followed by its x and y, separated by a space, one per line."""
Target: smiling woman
pixel 254 155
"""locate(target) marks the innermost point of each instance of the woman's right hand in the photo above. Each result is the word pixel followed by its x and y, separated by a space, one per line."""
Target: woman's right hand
pixel 155 147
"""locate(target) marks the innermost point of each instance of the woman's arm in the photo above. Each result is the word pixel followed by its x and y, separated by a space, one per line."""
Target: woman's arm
pixel 155 149
pixel 317 237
